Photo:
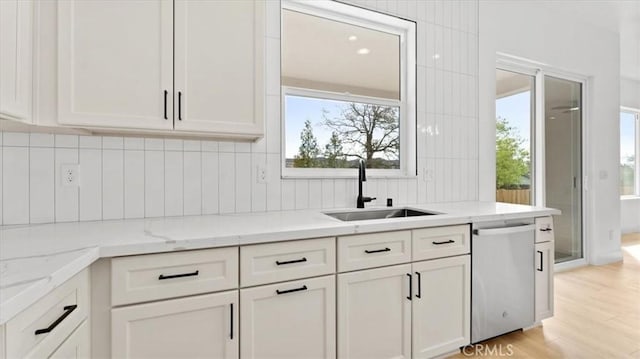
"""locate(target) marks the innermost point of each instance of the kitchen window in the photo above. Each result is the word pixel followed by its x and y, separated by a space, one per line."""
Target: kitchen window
pixel 348 91
pixel 629 148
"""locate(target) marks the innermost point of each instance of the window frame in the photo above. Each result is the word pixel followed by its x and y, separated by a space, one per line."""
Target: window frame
pixel 406 30
pixel 636 114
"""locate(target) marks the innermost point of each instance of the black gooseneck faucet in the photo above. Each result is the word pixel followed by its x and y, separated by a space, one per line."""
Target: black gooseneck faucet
pixel 362 177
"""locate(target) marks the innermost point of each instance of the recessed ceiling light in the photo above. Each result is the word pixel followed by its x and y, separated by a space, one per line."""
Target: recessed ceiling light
pixel 552 118
pixel 363 51
pixel 353 38
pixel 436 56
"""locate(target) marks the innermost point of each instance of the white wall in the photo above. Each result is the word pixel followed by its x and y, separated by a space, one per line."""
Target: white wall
pixel 548 33
pixel 150 177
pixel 630 207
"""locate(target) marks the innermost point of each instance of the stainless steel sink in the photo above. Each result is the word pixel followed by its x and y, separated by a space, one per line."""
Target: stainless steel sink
pixel 363 215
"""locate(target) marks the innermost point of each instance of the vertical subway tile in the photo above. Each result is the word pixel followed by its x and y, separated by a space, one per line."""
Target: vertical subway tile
pixel 227 182
pixel 327 193
pixel 302 193
pixel 173 182
pixel 15 184
pixel 133 143
pixel 133 183
pixel 90 189
pixel 340 193
pixel 1 176
pixel 288 201
pixel 274 190
pixel 112 143
pixel 41 140
pixel 15 139
pixel 66 198
pixel 243 182
pixel 113 184
pixel 66 141
pixel 192 183
pixel 41 185
pixel 153 183
pixel 315 194
pixel 258 187
pixel 210 180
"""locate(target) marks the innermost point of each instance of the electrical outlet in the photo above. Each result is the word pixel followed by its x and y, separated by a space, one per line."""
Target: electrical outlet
pixel 261 174
pixel 70 175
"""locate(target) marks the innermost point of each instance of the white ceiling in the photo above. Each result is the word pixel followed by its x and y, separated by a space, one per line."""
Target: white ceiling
pixel 318 50
pixel 619 16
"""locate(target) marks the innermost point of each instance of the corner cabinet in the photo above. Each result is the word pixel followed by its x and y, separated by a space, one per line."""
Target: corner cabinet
pixel 545 259
pixel 183 66
pixel 16 48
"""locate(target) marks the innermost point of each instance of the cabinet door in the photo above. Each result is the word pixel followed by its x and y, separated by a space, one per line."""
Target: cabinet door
pixel 289 320
pixel 544 281
pixel 115 62
pixel 219 66
pixel 16 36
pixel 441 306
pixel 76 346
pixel 374 313
pixel 202 326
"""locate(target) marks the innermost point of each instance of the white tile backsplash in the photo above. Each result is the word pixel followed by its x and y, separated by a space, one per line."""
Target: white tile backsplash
pixel 136 177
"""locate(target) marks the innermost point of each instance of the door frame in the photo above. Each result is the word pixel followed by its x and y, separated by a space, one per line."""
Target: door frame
pixel 539 71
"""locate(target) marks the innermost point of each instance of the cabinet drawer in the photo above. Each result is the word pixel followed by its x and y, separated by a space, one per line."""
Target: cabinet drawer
pixel 277 262
pixel 54 317
pixel 544 229
pixel 436 242
pixel 167 275
pixel 373 250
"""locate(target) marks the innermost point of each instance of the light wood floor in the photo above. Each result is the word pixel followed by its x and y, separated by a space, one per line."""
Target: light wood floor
pixel 597 314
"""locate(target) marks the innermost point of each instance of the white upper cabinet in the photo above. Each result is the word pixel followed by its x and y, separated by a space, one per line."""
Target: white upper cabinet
pixel 116 66
pixel 115 62
pixel 16 41
pixel 219 66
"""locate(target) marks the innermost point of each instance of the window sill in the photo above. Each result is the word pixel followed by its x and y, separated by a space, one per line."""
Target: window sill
pixel 630 197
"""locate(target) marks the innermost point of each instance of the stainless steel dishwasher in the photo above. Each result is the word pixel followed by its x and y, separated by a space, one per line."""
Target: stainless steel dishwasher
pixel 502 278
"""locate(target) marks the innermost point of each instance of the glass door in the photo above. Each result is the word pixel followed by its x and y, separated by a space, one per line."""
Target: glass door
pixel 515 105
pixel 563 107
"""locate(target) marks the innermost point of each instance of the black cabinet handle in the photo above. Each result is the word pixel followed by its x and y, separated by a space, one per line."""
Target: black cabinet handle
pixel 303 259
pixel 192 274
pixel 545 229
pixel 541 263
pixel 231 329
pixel 179 105
pixel 377 250
pixel 444 242
pixel 410 286
pixel 278 291
pixel 165 104
pixel 419 294
pixel 67 310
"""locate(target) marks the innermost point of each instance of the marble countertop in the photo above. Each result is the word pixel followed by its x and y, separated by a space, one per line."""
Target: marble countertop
pixel 34 259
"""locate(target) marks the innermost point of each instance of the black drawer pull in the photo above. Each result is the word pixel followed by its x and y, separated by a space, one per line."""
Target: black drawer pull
pixel 444 242
pixel 231 329
pixel 377 250
pixel 303 259
pixel 541 269
pixel 545 229
pixel 192 274
pixel 278 291
pixel 410 286
pixel 179 105
pixel 165 104
pixel 419 294
pixel 67 310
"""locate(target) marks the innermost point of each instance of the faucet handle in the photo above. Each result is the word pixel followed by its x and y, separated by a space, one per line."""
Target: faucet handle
pixel 368 199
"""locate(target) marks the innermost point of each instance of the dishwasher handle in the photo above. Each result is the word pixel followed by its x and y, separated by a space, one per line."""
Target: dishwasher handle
pixel 504 230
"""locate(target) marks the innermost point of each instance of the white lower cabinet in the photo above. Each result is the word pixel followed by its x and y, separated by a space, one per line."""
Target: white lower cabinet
pixel 441 306
pixel 76 346
pixel 418 310
pixel 203 326
pixel 374 313
pixel 544 280
pixel 293 319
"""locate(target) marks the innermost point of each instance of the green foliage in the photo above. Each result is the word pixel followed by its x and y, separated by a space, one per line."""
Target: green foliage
pixel 308 150
pixel 333 152
pixel 627 176
pixel 512 161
